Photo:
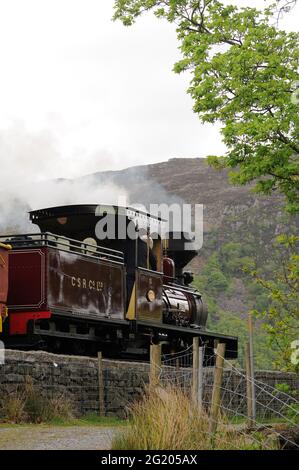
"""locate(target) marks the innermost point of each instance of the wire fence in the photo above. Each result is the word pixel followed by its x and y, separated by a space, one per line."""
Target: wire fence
pixel 176 369
pixel 277 412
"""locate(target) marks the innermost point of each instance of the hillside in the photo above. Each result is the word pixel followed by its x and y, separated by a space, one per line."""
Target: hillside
pixel 231 213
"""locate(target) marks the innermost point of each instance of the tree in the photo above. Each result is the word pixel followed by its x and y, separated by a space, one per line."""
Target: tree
pixel 284 6
pixel 244 74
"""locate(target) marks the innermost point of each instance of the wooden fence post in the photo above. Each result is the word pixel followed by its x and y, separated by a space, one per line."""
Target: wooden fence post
pixel 177 370
pixel 200 377
pixel 101 385
pixel 155 364
pixel 249 386
pixel 195 370
pixel 216 393
pixel 250 331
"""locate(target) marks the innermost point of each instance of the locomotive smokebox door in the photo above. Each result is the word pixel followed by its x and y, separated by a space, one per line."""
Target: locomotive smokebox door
pixel 149 295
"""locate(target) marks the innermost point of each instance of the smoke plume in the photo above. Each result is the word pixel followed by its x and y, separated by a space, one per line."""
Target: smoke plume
pixel 30 164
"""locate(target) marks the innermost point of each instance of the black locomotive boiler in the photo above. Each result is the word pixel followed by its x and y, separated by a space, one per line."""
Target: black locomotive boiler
pixel 72 289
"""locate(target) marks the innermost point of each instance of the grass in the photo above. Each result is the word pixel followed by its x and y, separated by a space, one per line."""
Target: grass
pixel 274 420
pixel 166 419
pixel 90 420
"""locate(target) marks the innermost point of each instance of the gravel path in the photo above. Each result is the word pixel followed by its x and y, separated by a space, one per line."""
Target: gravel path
pixel 43 437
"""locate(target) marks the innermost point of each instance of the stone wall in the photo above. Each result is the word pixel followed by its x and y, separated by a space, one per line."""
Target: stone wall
pixel 77 378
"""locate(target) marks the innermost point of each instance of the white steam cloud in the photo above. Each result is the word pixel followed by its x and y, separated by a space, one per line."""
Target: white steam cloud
pixel 29 167
pixel 30 178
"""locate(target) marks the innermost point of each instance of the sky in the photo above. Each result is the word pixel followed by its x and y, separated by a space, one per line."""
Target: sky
pixel 80 93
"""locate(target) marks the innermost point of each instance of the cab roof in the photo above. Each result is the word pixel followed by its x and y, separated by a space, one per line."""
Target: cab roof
pixel 92 209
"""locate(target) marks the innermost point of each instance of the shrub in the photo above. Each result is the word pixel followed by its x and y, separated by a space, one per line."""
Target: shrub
pixel 59 407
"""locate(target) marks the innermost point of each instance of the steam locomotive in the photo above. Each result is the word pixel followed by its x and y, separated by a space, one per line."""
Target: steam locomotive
pixel 98 277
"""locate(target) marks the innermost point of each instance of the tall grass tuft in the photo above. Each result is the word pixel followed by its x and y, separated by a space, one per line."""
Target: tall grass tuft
pixel 29 405
pixel 166 419
pixel 12 409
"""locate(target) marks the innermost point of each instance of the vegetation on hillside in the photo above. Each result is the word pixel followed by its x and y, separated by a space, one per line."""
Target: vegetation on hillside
pixel 281 315
pixel 270 291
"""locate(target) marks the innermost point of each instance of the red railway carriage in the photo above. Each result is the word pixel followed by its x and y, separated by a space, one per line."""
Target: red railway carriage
pixel 70 292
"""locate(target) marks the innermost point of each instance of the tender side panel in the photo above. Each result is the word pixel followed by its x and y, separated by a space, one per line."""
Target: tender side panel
pixel 84 285
pixel 149 296
pixel 27 280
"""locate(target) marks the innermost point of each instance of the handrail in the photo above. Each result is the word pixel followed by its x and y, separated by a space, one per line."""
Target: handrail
pixel 32 240
pixel 189 290
pixel 5 246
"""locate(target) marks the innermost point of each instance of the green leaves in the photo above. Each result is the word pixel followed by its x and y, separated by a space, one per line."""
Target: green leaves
pixel 243 74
